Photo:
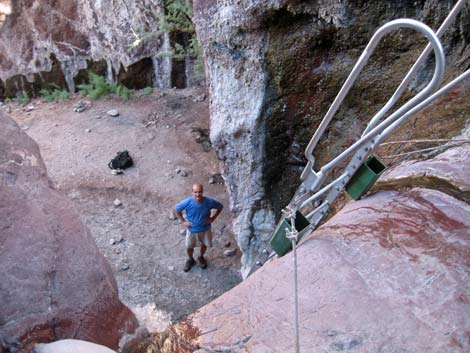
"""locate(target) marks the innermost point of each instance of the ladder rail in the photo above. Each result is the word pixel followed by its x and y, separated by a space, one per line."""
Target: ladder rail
pixel 414 69
pixel 316 215
pixel 378 35
pixel 311 179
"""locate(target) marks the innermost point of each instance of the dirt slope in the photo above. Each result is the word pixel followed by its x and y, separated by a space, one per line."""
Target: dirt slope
pixel 142 243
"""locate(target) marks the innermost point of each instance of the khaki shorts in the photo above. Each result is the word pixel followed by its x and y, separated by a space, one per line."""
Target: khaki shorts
pixel 194 240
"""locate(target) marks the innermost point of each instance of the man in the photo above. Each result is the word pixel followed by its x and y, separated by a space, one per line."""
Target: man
pixel 198 223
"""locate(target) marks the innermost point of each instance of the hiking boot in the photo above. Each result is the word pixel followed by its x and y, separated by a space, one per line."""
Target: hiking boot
pixel 189 263
pixel 202 262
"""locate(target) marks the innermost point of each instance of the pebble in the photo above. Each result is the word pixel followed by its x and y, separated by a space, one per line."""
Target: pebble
pixel 112 241
pixel 171 268
pixel 124 267
pixel 199 98
pixel 259 263
pixel 171 216
pixel 116 171
pixel 87 130
pixel 216 179
pixel 117 251
pixel 183 231
pixel 79 107
pixel 98 117
pixel 266 252
pixel 113 112
pixel 178 170
pixel 230 252
pixel 227 244
pixel 29 108
pixel 183 173
pixel 117 203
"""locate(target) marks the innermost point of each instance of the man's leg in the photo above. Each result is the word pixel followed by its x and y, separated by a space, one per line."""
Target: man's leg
pixel 189 251
pixel 202 261
pixel 203 250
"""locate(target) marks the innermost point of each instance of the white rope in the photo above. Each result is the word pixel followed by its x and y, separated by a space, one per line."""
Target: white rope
pixel 293 234
pixel 296 299
pixel 425 150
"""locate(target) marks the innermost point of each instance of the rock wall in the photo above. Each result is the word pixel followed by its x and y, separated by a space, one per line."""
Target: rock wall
pixel 51 41
pixel 273 68
pixel 55 283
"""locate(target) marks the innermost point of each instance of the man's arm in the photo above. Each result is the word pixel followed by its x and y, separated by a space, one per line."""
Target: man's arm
pixel 186 223
pixel 216 214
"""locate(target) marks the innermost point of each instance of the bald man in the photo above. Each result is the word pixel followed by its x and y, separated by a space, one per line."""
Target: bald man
pixel 198 223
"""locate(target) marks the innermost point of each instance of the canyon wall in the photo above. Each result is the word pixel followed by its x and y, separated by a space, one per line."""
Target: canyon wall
pixel 44 42
pixel 274 66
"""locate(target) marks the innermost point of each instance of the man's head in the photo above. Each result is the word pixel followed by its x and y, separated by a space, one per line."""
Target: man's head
pixel 198 191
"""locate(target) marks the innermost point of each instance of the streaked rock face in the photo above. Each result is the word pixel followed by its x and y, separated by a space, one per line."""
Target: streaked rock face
pixel 55 283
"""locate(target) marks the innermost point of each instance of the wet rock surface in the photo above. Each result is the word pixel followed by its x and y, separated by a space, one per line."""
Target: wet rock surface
pixel 55 282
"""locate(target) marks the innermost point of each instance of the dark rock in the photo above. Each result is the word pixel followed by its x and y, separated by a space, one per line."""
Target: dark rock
pixel 216 179
pixel 55 283
pixel 230 252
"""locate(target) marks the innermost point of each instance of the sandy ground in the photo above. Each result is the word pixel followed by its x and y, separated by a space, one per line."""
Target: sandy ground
pixel 143 244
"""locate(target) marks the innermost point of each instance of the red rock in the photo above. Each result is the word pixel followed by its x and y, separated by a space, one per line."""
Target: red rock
pixel 55 283
pixel 451 166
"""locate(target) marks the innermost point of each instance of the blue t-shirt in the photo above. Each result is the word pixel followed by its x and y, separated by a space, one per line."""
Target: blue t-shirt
pixel 198 212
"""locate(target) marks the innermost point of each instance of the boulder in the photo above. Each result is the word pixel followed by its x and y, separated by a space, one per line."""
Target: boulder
pixel 448 171
pixel 55 283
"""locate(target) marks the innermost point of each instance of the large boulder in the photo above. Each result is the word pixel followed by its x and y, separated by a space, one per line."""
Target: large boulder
pixel 55 283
